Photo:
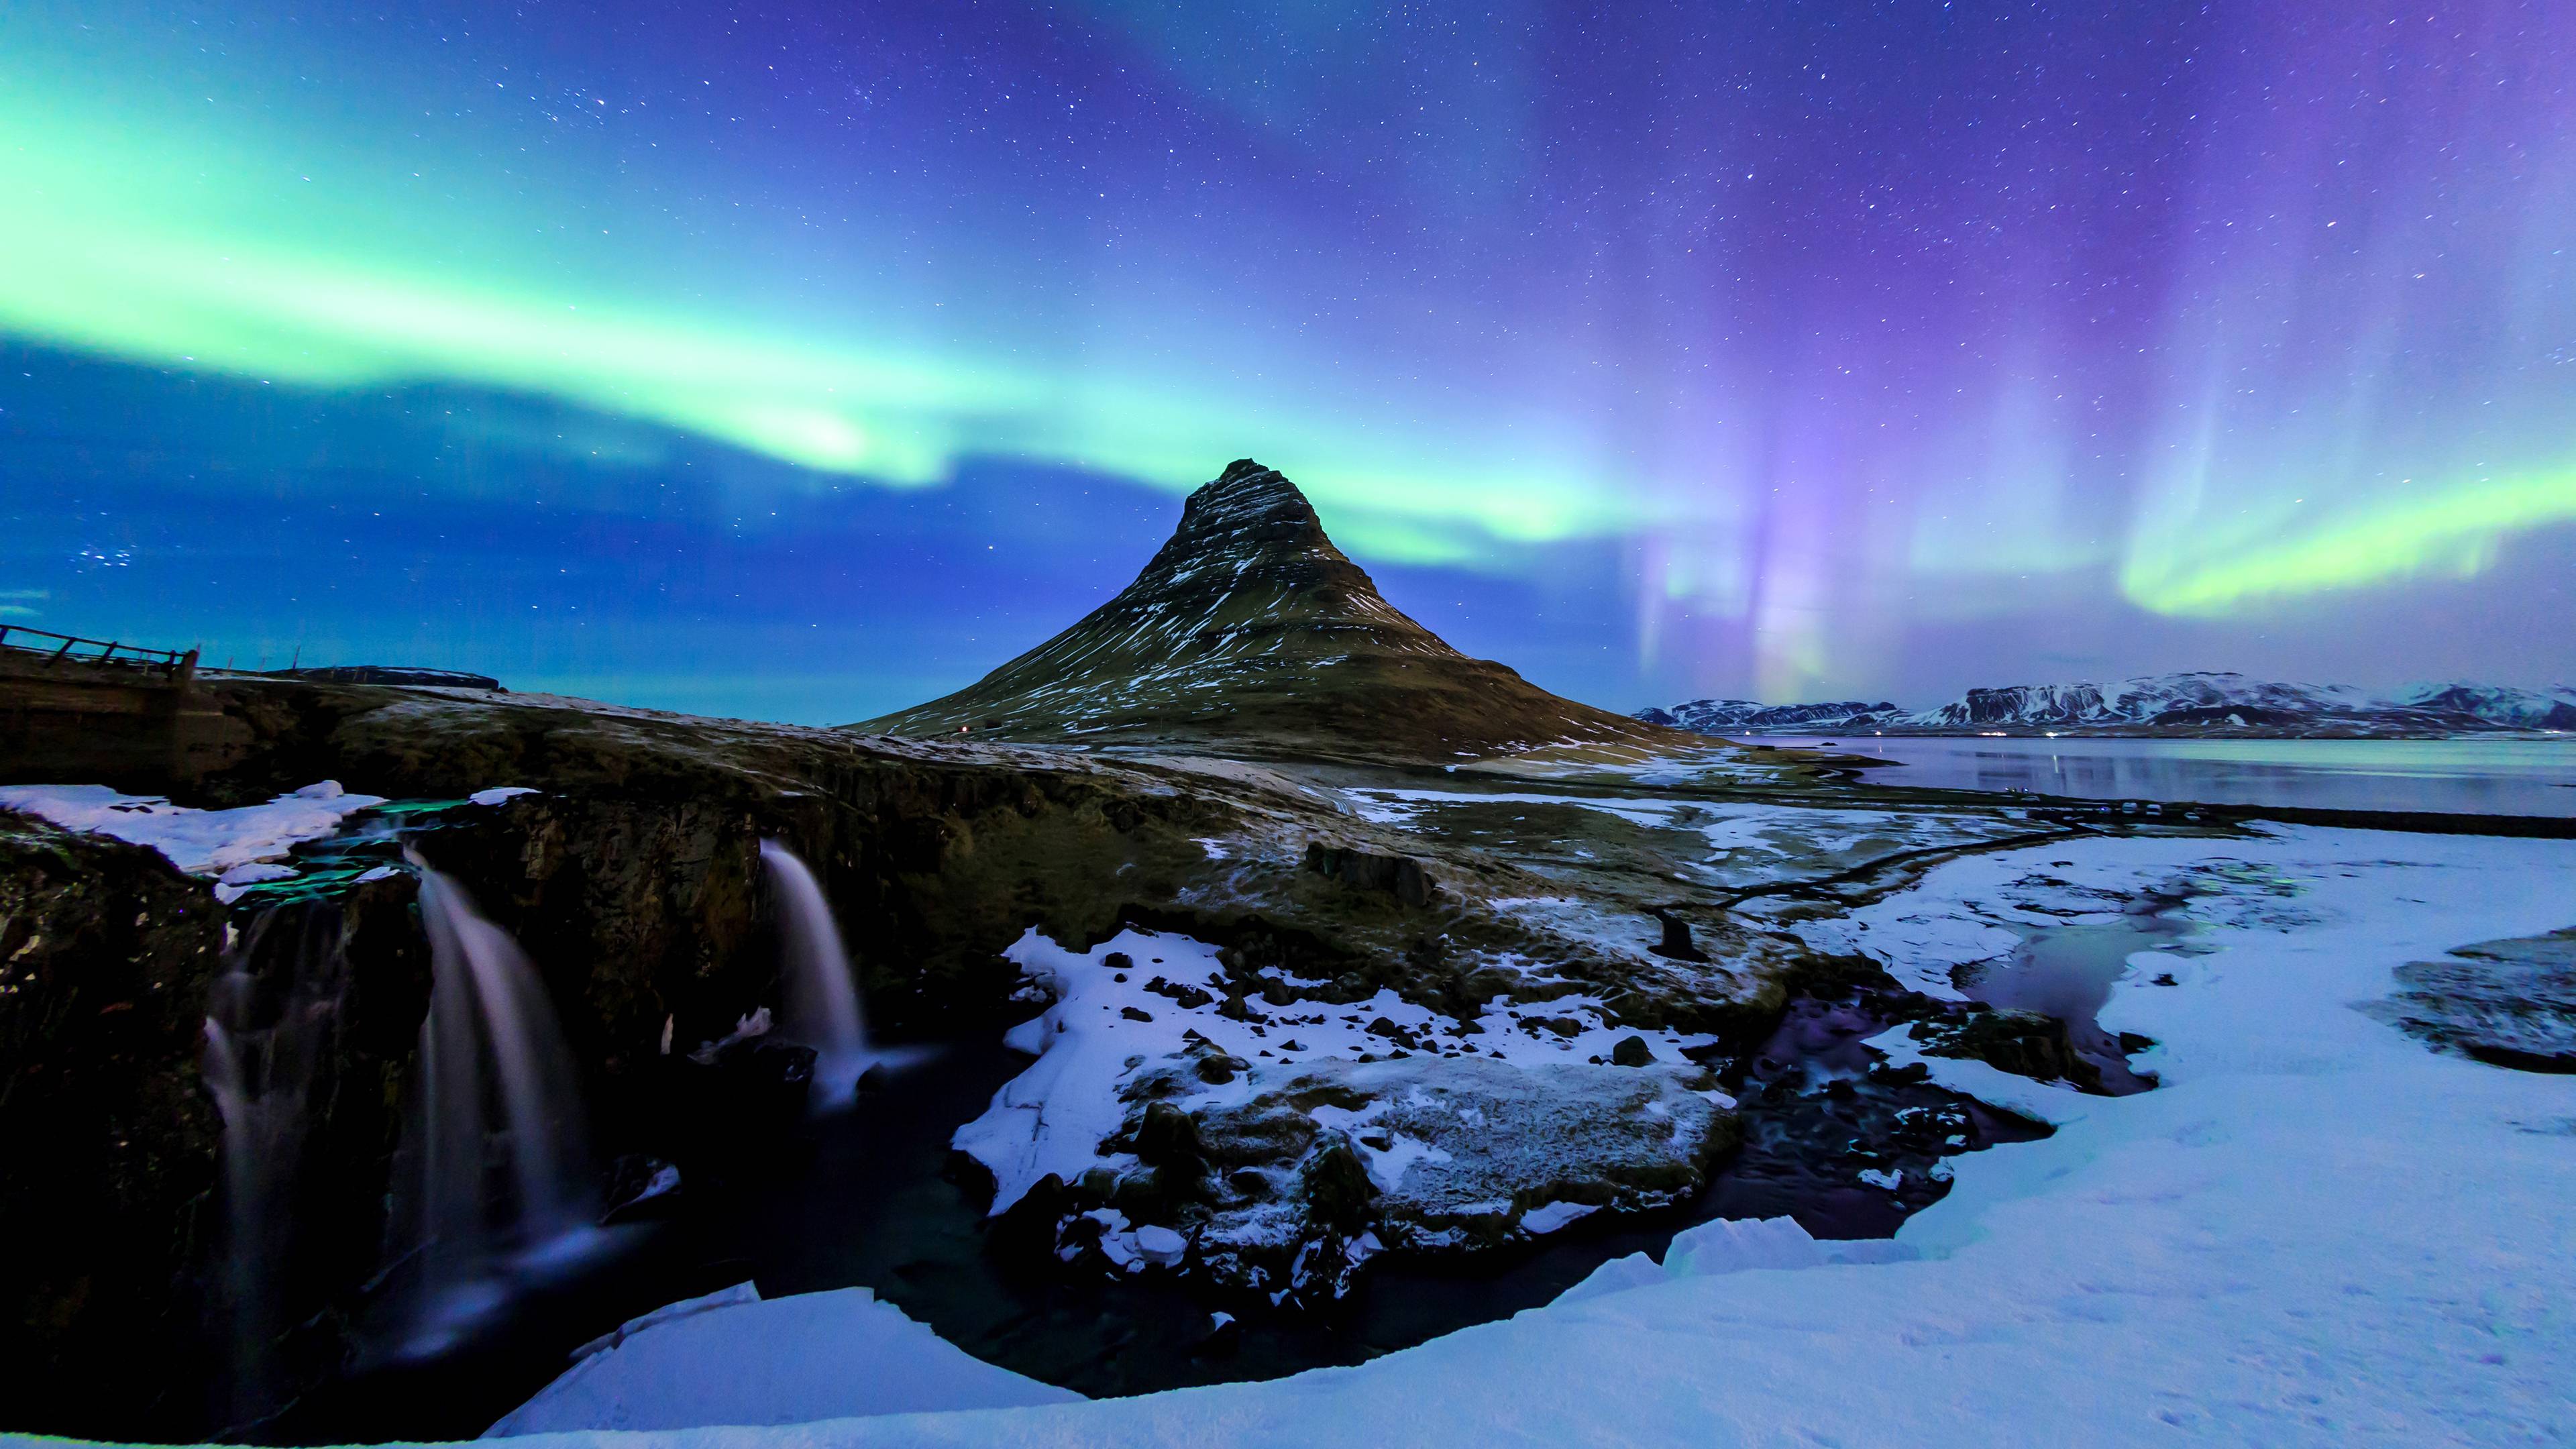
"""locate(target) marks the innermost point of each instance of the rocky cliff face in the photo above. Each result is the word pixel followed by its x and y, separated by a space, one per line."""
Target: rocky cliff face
pixel 108 1145
pixel 632 878
pixel 1250 630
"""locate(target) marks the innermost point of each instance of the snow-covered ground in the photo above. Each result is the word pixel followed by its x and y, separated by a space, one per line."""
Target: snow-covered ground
pixel 1386 806
pixel 1739 842
pixel 791 1360
pixel 1103 1030
pixel 201 842
pixel 2317 1231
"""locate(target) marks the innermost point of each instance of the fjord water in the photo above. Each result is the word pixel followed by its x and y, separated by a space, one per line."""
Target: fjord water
pixel 2457 776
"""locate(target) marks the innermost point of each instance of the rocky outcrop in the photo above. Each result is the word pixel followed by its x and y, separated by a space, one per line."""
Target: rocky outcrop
pixel 2509 1003
pixel 108 1145
pixel 2024 1043
pixel 631 875
pixel 1400 876
pixel 1278 1199
pixel 1249 632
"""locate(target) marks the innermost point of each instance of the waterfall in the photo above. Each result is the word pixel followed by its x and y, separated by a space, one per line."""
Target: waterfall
pixel 270 1029
pixel 494 1073
pixel 822 1002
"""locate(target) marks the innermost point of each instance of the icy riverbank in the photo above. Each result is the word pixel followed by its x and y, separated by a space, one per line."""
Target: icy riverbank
pixel 2318 1231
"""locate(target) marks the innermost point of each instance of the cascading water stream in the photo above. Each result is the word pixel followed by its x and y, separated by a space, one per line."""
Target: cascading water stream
pixel 822 1001
pixel 494 1074
pixel 270 1025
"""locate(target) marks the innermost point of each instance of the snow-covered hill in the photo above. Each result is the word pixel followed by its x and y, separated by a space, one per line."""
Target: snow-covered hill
pixel 2193 703
pixel 1746 716
pixel 2549 709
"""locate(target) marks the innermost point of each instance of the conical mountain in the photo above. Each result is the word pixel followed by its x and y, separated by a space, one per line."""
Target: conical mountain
pixel 1250 629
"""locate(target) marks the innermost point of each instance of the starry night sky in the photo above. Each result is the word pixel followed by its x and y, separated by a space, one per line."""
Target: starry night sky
pixel 804 361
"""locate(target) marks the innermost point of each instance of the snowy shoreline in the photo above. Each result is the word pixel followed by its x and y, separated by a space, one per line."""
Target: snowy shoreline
pixel 2317 1231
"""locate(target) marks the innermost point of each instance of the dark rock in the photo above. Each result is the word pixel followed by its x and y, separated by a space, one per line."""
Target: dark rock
pixel 1392 1032
pixel 1632 1051
pixel 2024 1043
pixel 1188 998
pixel 1118 961
pixel 1400 876
pixel 108 1137
pixel 1676 944
pixel 730 1112
pixel 1224 1341
pixel 1335 1185
pixel 640 1188
pixel 1026 1231
pixel 1169 1137
pixel 1155 1194
pixel 1133 1013
pixel 2507 1003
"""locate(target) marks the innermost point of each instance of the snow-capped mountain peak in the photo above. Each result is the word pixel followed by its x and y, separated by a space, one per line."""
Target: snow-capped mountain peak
pixel 1248 625
pixel 2194 702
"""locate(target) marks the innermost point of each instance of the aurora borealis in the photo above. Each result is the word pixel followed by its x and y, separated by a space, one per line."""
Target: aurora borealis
pixel 809 361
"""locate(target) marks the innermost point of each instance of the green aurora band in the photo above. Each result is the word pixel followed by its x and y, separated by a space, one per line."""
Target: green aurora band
pixel 174 231
pixel 176 245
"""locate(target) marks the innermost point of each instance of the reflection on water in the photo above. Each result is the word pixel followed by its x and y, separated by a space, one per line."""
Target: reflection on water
pixel 2468 776
pixel 2068 971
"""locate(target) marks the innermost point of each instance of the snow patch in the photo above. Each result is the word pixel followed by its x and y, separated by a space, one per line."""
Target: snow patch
pixel 2316 1231
pixel 735 1358
pixel 200 842
pixel 1542 1220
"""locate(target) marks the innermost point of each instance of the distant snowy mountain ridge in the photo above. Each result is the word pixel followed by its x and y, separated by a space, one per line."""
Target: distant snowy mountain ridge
pixel 1746 716
pixel 2194 703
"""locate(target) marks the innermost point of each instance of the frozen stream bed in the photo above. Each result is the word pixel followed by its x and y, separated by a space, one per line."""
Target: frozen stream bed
pixel 2319 1230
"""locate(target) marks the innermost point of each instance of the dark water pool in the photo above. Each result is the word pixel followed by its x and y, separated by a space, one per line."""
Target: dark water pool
pixel 2068 971
pixel 863 1199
